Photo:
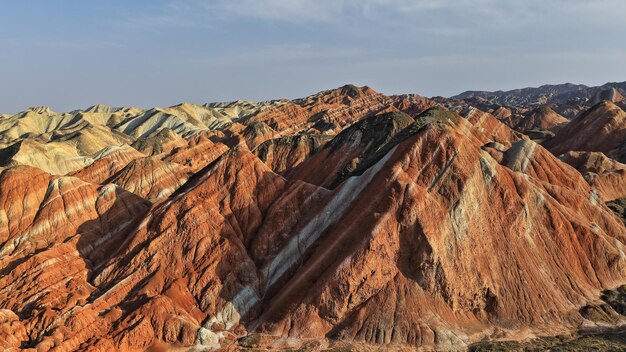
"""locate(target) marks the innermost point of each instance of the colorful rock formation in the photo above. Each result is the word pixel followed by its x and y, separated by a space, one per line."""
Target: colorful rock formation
pixel 345 219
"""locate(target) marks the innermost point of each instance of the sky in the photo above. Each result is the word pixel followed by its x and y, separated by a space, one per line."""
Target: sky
pixel 73 54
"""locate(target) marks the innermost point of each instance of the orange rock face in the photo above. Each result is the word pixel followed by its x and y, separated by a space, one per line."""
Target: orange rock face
pixel 107 164
pixel 12 330
pixel 151 178
pixel 600 129
pixel 606 175
pixel 542 118
pixel 284 153
pixel 404 242
pixel 331 110
pixel 345 219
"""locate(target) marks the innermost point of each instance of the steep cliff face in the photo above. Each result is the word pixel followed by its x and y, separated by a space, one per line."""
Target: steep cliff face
pixel 335 219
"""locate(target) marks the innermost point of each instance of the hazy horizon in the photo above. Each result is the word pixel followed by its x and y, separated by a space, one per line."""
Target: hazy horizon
pixel 71 55
pixel 276 98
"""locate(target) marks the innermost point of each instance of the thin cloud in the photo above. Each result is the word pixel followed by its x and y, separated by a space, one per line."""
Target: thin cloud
pixel 284 53
pixel 77 44
pixel 442 17
pixel 294 11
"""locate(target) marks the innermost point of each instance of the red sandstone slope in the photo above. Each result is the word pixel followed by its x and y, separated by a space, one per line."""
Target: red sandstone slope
pixel 604 174
pixel 57 232
pixel 284 153
pixel 351 148
pixel 602 128
pixel 542 118
pixel 200 151
pixel 331 110
pixel 150 178
pixel 186 262
pixel 425 230
pixel 407 238
pixel 107 163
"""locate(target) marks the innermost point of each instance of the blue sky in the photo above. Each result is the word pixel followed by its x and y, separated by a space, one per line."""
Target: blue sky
pixel 72 54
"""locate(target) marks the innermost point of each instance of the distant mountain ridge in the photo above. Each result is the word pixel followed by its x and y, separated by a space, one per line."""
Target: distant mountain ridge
pixel 546 94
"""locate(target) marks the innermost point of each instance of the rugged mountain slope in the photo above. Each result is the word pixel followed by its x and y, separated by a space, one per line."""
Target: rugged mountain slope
pixel 56 158
pixel 600 129
pixel 412 104
pixel 161 141
pixel 612 94
pixel 240 109
pixel 330 111
pixel 335 220
pixel 55 236
pixel 604 174
pixel 200 151
pixel 406 238
pixel 106 163
pixel 542 118
pixel 284 153
pixel 353 149
pixel 150 178
pixel 559 93
pixel 54 207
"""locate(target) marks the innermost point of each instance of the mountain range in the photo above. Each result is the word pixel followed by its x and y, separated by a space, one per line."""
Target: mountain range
pixel 550 94
pixel 344 220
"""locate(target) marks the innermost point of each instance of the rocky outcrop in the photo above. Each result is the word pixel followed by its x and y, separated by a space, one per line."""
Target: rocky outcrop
pixel 611 94
pixel 12 330
pixel 619 207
